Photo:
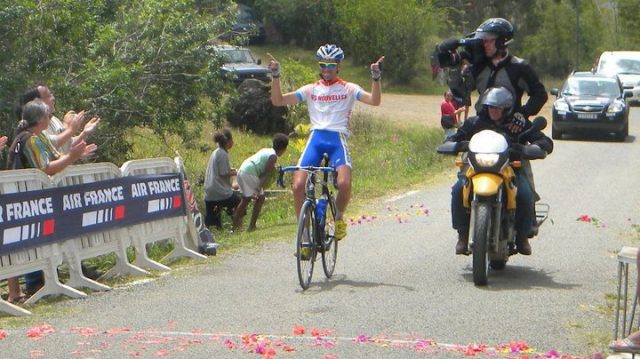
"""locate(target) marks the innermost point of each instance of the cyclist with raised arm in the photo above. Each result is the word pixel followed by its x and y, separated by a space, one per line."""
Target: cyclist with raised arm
pixel 330 101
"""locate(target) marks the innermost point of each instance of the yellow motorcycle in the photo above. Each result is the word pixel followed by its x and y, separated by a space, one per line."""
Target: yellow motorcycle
pixel 490 193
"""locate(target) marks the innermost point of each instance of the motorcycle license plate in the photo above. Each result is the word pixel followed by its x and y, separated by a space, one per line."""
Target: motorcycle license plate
pixel 588 116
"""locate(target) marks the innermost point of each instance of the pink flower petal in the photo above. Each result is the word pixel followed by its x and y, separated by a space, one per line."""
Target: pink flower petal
pixel 37 354
pixel 3 334
pixel 113 331
pixel 230 344
pixel 162 353
pixel 85 332
pixel 298 330
pixel 40 331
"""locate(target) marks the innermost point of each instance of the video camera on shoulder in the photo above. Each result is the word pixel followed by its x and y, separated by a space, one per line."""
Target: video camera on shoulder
pixel 448 55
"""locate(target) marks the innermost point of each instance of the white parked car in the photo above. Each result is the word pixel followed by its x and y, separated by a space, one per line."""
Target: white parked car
pixel 625 64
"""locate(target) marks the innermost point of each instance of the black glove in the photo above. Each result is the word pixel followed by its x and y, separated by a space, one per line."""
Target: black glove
pixel 517 123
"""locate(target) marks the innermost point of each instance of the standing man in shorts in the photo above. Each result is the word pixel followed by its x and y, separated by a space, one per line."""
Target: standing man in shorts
pixel 330 101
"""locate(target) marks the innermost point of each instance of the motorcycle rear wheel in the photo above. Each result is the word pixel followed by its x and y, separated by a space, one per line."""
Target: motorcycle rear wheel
pixel 481 230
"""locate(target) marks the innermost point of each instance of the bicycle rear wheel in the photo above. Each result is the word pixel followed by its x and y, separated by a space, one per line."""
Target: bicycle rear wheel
pixel 329 245
pixel 305 248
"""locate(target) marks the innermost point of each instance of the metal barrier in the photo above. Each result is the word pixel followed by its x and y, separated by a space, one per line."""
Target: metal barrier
pixel 45 258
pixel 172 228
pixel 115 241
pixel 51 254
pixel 623 316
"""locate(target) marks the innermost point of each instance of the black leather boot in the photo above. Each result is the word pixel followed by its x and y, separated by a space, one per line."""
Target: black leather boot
pixel 462 247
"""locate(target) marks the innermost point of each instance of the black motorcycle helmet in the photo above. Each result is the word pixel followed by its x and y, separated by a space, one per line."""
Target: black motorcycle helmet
pixel 502 28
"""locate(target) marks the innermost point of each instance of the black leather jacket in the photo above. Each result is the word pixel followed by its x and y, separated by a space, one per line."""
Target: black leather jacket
pixel 512 73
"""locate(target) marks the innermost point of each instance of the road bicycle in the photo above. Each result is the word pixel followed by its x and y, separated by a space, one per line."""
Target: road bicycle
pixel 316 223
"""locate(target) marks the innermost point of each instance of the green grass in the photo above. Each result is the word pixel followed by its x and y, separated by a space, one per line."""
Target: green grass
pixel 386 158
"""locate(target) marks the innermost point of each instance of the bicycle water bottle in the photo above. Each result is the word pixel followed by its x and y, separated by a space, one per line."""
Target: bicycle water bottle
pixel 321 208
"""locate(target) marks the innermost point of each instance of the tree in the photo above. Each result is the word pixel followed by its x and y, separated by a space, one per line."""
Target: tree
pixel 397 29
pixel 629 22
pixel 133 63
pixel 304 23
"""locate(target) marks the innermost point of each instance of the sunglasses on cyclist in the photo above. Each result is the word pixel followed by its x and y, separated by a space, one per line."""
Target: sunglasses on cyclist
pixel 328 65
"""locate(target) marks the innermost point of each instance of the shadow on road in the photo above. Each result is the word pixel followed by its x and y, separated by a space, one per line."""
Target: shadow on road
pixel 519 277
pixel 596 137
pixel 343 281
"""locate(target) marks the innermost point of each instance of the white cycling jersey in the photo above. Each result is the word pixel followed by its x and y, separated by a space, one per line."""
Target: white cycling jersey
pixel 330 103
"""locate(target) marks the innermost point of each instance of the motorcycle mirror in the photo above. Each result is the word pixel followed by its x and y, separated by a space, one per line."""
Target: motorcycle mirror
pixel 539 123
pixel 452 148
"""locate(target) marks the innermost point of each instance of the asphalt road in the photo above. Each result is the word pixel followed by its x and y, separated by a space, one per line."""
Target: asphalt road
pixel 399 290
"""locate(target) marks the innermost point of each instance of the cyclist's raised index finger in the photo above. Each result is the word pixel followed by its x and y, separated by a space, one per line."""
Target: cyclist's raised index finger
pixel 381 59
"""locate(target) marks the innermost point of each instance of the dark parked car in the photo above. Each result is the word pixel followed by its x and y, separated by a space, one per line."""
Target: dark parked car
pixel 591 102
pixel 247 25
pixel 239 64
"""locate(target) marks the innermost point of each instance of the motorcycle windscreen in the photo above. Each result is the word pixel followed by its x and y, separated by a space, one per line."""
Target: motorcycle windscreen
pixel 487 141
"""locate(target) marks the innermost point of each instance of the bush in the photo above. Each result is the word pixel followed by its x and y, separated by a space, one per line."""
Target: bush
pixel 253 111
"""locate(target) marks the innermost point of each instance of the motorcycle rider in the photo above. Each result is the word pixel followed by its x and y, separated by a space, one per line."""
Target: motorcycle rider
pixel 491 65
pixel 496 114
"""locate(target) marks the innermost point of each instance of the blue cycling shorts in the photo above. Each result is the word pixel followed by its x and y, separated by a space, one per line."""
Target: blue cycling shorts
pixel 330 142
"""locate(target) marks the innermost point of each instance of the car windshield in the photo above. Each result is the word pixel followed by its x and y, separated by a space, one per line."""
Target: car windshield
pixel 591 87
pixel 245 16
pixel 620 66
pixel 237 56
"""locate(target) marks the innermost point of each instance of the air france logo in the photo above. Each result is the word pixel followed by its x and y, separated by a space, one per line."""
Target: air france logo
pixel 29 231
pixel 101 216
pixel 25 210
pixel 159 187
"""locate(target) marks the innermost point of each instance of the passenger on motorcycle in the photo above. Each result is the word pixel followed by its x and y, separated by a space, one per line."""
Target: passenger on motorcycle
pixel 496 114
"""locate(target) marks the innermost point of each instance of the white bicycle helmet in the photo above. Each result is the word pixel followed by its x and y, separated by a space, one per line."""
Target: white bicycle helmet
pixel 329 52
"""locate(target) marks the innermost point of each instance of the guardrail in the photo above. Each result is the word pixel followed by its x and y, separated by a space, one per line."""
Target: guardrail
pixel 46 255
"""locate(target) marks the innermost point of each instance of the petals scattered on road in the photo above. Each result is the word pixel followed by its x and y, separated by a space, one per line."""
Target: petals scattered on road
pixel 157 343
pixel 401 216
pixel 593 220
pixel 40 331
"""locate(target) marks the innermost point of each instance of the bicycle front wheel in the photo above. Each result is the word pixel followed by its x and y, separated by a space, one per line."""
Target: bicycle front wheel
pixel 305 248
pixel 329 245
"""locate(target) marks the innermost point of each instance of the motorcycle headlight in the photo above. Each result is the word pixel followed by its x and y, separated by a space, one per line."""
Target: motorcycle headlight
pixel 561 105
pixel 487 159
pixel 616 106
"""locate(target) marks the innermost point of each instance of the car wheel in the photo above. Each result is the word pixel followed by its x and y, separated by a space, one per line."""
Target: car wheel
pixel 622 135
pixel 555 133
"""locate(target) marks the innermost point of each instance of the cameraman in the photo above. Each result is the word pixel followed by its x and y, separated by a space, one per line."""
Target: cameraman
pixel 491 65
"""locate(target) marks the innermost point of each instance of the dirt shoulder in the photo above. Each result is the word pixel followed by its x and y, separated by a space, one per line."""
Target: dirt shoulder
pixel 419 109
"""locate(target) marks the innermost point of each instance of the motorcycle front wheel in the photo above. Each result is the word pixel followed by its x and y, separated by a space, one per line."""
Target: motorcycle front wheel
pixel 481 230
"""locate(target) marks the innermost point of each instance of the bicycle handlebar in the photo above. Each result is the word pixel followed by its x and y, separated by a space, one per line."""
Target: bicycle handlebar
pixel 307 168
pixel 282 170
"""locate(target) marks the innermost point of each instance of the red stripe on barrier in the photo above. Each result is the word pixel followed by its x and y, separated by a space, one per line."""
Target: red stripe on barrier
pixel 177 201
pixel 49 227
pixel 119 212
